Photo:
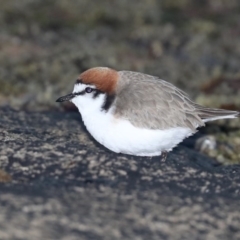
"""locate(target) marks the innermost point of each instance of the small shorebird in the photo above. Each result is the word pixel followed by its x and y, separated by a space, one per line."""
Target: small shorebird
pixel 135 113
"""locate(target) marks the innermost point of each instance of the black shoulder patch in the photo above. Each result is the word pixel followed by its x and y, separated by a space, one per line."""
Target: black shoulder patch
pixel 108 102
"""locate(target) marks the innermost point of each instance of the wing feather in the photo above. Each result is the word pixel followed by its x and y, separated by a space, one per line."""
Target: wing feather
pixel 154 103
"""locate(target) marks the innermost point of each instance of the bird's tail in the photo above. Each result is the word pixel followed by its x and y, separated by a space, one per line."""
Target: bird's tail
pixel 211 114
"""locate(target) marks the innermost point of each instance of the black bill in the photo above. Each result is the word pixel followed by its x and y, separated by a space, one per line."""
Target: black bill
pixel 66 98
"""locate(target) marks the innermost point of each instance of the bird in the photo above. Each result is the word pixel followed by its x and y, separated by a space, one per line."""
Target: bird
pixel 137 114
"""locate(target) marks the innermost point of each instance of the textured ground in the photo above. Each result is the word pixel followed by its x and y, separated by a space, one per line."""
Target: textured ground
pixel 57 183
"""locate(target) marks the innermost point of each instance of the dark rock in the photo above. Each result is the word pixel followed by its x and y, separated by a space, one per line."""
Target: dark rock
pixel 66 186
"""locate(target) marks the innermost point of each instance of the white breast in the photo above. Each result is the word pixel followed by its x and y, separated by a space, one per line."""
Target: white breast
pixel 121 136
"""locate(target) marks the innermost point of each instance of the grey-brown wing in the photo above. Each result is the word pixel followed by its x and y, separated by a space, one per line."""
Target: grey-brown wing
pixel 149 102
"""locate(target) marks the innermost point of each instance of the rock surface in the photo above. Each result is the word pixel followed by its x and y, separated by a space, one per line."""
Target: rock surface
pixel 57 183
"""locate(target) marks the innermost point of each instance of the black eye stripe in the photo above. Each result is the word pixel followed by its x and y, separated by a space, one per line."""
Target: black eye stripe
pixel 79 93
pixel 95 95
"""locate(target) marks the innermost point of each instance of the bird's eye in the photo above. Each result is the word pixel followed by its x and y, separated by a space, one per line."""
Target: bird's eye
pixel 88 90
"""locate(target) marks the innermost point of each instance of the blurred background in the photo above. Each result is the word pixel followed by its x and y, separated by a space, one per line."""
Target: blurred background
pixel 45 44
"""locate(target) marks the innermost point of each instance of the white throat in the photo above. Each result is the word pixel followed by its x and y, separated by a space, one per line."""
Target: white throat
pixel 86 103
pixel 97 121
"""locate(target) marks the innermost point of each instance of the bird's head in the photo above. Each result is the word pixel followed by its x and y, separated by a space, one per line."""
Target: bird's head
pixel 94 88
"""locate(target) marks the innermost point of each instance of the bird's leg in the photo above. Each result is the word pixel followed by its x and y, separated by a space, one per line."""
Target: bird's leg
pixel 164 156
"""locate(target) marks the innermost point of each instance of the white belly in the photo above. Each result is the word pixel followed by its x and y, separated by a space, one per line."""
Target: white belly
pixel 122 137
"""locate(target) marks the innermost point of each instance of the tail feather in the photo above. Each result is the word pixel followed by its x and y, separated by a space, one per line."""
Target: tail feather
pixel 210 114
